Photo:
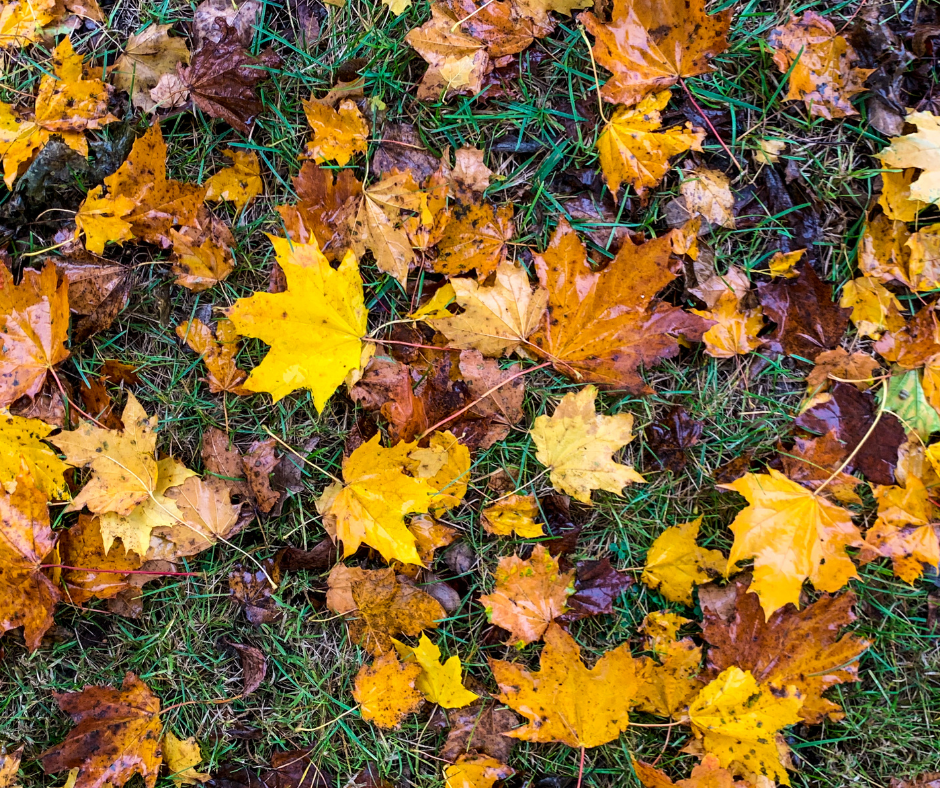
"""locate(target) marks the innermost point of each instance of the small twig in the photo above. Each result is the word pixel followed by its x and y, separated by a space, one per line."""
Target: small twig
pixel 709 124
pixel 597 82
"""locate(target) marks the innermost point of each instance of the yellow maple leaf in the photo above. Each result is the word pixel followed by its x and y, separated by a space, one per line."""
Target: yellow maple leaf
pixel 439 683
pixel 667 688
pixel 736 328
pixel 21 21
pixel 793 535
pixel 476 771
pixel 577 444
pixel 496 318
pixel 385 690
pixel 661 629
pixel 875 309
pixel 123 465
pixel 181 756
pixel 314 328
pixel 22 443
pixel 515 514
pixel 784 264
pixel 895 199
pixel 632 149
pixel 371 506
pixel 565 701
pixel 707 193
pixel 445 465
pixel 737 720
pixel 240 183
pixel 436 307
pixel 921 150
pixel 675 563
pixel 338 135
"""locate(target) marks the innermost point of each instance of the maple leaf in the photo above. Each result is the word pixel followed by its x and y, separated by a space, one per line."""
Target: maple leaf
pixel 735 328
pixel 147 56
pixel 385 690
pixel 707 774
pixel 916 343
pixel 223 78
pixel 661 630
pixel 117 734
pixel 597 586
pixel 838 364
pixel 445 466
pixel 218 350
pixel 707 193
pixel 203 253
pixel 496 318
pixel 33 329
pixel 382 606
pixel 10 763
pixel 457 61
pixel 675 564
pixel 565 701
pixel 896 200
pixel 822 65
pixel 907 399
pixel 239 183
pixel 602 325
pixel 251 588
pixel 141 201
pixel 514 514
pixel 371 506
pixel 670 437
pixel 181 755
pixel 338 134
pixel 802 648
pixel 649 46
pixel 476 771
pixel 123 465
pixel 737 720
pixel 430 536
pixel 793 535
pixel 667 687
pixel 82 546
pixel 577 445
pixel 476 236
pixel 439 683
pixel 783 264
pixel 21 22
pixel 314 327
pixel 27 595
pixel 633 149
pixel 528 595
pixel 478 730
pixel 875 309
pixel 22 440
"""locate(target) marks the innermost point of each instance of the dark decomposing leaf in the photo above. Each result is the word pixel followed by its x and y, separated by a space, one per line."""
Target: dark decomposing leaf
pixel 318 559
pixel 259 463
pixel 670 438
pixel 560 524
pixel 98 291
pixel 597 586
pixel 251 590
pixel 479 729
pixel 254 666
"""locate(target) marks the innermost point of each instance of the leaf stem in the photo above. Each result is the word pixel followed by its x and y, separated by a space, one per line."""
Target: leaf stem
pixel 709 124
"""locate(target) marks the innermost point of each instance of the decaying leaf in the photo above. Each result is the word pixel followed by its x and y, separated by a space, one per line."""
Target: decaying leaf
pixel 147 57
pixel 475 237
pixel 478 729
pixel 22 442
pixel 238 183
pixel 82 546
pixel 439 683
pixel 457 61
pixel 385 690
pixel 338 134
pixel 675 564
pixel 597 586
pixel 252 587
pixel 840 366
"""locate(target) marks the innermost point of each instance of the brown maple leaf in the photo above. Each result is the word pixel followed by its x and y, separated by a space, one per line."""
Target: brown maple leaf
pixel 98 291
pixel 793 647
pixel 603 325
pixel 117 734
pixel 650 45
pixel 479 729
pixel 34 318
pixel 223 78
pixel 251 588
pixel 218 350
pixel 82 546
pixel 475 237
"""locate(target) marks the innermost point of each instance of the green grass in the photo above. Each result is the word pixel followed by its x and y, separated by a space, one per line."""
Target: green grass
pixel 746 405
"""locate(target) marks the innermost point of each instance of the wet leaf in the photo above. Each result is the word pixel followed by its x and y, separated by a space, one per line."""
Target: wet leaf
pixel 82 546
pixel 385 690
pixel 918 150
pixel 22 440
pixel 670 438
pixel 515 514
pixel 457 61
pixel 218 350
pixel 238 183
pixel 181 756
pixel 675 563
pixel 147 56
pixel 476 771
pixel 251 589
pixel 597 586
pixel 338 134
pixel 439 683
pixel 476 237
pixel 478 729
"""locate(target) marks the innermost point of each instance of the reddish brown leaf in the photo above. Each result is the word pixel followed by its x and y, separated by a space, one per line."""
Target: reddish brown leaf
pixel 479 729
pixel 597 586
pixel 259 462
pixel 251 590
pixel 81 546
pixel 670 437
pixel 98 291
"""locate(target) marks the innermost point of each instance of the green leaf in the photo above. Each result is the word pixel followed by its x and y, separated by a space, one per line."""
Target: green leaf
pixel 906 400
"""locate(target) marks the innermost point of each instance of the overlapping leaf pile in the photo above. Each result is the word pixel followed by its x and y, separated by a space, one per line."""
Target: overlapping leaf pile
pixel 442 382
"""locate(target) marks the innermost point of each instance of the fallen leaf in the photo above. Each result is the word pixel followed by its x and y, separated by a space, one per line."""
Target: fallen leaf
pixel 445 466
pixel 707 193
pixel 117 734
pixel 784 264
pixel 430 536
pixel 254 666
pixel 147 56
pixel 224 462
pixel 381 605
pixel 10 761
pixel 838 365
pixel 22 440
pixel 916 343
pixel 439 683
pixel 457 61
pixel 240 14
pixel 802 648
pixel 478 730
pixel 34 318
pixel 496 318
pixel 707 774
pixel 181 755
pixel 21 22
pixel 875 309
pixel 670 438
pixel 258 464
pixel 675 564
pixel 238 183
pixel 528 595
pixel 667 687
pixel 565 701
pixel 883 253
pixel 577 445
pixel 737 721
pixel 251 588
pixel 98 291
pixel 906 398
pixel 371 505
pixel 649 46
pixel 792 535
pixel 203 254
pixel 218 350
pixel 27 595
pixel 597 586
pixel 123 464
pixel 385 690
pixel 918 150
pixel 735 328
pixel 476 237
pixel 338 135
pixel 817 463
pixel 476 771
pixel 316 294
pixel 604 324
pixel 895 199
pixel 823 66
pixel 82 546
pixel 223 78
pixel 632 148
pixel 661 630
pixel 514 514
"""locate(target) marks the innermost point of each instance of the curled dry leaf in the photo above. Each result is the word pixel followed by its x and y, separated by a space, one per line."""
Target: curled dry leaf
pixel 385 690
pixel 439 683
pixel 218 350
pixel 675 563
pixel 238 183
pixel 577 445
pixel 251 588
pixel 515 514
pixel 338 134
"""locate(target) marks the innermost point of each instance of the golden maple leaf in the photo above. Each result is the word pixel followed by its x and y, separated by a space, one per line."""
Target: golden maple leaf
pixel 476 771
pixel 528 595
pixel 737 720
pixel 34 318
pixel 445 466
pixel 21 21
pixel 385 690
pixel 667 687
pixel 81 547
pixel 218 352
pixel 633 149
pixel 314 328
pixel 515 514
pixel 650 45
pixel 371 506
pixel 921 150
pixel 123 464
pixel 27 595
pixel 896 200
pixel 577 445
pixel 675 564
pixel 875 309
pixel 22 440
pixel 439 683
pixel 338 135
pixel 182 756
pixel 496 318
pixel 793 535
pixel 475 237
pixel 457 61
pixel 239 183
pixel 430 536
pixel 736 327
pixel 565 701
pixel 203 253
